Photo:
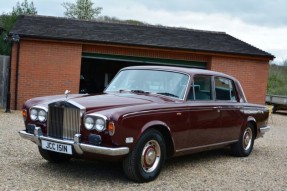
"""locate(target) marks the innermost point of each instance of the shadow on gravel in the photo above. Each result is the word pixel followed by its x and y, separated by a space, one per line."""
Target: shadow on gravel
pixel 102 171
pixel 199 157
pixel 86 170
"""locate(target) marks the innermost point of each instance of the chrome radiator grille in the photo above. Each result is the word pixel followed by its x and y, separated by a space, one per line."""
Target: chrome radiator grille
pixel 63 120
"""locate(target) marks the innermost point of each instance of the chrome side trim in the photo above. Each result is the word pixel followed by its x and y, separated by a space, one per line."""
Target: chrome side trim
pixel 80 148
pixel 205 146
pixel 181 109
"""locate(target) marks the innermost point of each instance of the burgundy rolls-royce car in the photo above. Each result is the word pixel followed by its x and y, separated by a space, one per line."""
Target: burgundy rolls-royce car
pixel 146 115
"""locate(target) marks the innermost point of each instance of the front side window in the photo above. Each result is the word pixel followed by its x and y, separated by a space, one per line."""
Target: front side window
pixel 224 89
pixel 201 88
pixel 166 83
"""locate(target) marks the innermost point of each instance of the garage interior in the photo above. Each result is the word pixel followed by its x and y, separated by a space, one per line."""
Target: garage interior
pixel 98 70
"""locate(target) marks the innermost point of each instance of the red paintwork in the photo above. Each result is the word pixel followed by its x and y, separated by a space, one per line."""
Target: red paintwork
pixel 191 126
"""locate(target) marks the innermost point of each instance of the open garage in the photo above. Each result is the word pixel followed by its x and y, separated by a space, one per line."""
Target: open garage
pixel 97 70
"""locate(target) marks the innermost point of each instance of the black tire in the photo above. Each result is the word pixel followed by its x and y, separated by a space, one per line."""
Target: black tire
pixel 54 157
pixel 244 146
pixel 144 162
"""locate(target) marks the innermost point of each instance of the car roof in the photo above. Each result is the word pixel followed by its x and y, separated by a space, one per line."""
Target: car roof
pixel 190 71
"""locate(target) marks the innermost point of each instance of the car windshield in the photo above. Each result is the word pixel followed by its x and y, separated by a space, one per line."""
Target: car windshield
pixel 166 83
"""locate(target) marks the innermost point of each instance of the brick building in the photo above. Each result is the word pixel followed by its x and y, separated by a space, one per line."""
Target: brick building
pixel 55 54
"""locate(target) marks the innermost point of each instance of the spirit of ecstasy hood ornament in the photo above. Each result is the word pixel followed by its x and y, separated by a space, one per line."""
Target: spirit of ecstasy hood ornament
pixel 67 93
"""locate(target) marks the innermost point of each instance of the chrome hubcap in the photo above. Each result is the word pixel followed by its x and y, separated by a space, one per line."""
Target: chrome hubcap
pixel 247 138
pixel 150 156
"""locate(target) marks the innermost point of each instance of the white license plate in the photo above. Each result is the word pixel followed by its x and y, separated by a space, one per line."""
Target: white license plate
pixel 57 147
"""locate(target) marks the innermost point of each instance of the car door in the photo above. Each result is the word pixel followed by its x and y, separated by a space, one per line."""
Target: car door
pixel 204 113
pixel 227 100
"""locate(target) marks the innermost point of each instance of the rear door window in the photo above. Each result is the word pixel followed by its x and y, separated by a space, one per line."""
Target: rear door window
pixel 224 89
pixel 201 88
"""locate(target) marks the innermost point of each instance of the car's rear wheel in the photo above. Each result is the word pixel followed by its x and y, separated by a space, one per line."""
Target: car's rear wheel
pixel 244 146
pixel 144 163
pixel 53 156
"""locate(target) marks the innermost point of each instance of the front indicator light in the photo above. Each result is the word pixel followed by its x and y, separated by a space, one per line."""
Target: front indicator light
pixel 111 128
pixel 24 114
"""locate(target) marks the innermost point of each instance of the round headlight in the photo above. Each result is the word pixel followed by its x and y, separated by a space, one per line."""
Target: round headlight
pixel 33 114
pixel 89 123
pixel 100 125
pixel 42 115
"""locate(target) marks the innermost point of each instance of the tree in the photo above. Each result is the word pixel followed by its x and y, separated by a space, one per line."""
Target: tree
pixel 82 9
pixel 116 20
pixel 7 21
pixel 277 79
pixel 25 8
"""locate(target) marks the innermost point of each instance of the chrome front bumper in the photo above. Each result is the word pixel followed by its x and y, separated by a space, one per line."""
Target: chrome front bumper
pixel 80 148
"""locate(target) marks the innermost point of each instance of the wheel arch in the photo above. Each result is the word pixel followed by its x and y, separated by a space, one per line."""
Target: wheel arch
pixel 251 120
pixel 166 133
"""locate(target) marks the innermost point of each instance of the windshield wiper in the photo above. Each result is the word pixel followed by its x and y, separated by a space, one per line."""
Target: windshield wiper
pixel 139 92
pixel 121 91
pixel 135 91
pixel 167 94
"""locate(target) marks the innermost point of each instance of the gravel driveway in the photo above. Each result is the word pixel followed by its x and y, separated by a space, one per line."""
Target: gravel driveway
pixel 22 168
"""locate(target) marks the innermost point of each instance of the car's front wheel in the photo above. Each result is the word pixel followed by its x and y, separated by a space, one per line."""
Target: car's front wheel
pixel 144 163
pixel 53 156
pixel 244 146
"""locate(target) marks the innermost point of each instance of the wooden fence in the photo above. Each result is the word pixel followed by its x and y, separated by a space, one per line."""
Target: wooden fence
pixel 4 61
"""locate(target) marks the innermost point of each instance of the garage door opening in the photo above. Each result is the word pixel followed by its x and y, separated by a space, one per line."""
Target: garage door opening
pixel 96 74
pixel 97 70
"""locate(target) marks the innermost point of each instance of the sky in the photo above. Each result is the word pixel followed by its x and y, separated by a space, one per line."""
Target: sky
pixel 261 23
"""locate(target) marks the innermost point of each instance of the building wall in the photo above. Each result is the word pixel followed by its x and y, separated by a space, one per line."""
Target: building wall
pixel 252 74
pixel 49 68
pixel 45 68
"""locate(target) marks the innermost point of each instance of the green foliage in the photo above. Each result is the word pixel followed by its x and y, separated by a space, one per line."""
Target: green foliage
pixel 116 20
pixel 277 80
pixel 7 21
pixel 82 9
pixel 25 8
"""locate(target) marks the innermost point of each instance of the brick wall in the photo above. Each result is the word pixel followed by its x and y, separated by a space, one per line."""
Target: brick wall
pixel 252 74
pixel 45 68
